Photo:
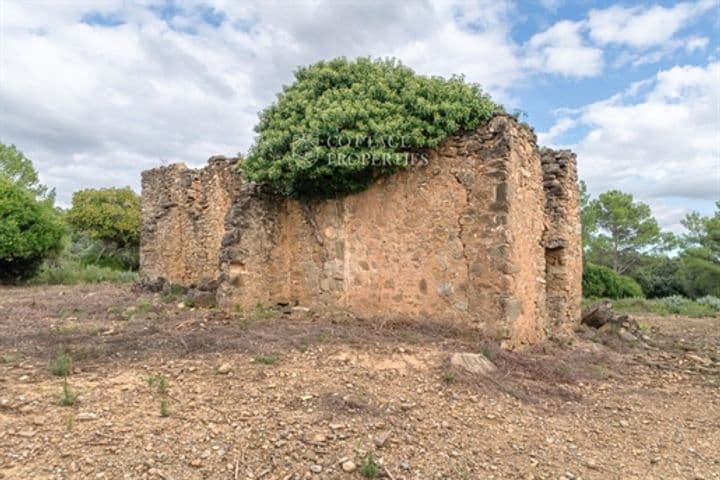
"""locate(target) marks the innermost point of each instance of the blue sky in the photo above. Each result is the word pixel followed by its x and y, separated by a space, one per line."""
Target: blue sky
pixel 96 92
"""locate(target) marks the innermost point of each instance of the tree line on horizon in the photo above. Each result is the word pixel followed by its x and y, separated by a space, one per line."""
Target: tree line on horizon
pixel 626 254
pixel 96 239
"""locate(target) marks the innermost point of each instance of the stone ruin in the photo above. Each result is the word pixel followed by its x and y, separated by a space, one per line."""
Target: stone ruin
pixel 487 233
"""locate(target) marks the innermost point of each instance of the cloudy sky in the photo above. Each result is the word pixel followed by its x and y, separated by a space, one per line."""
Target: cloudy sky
pixel 94 92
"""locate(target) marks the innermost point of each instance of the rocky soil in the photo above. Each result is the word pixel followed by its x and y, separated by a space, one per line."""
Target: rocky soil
pixel 165 391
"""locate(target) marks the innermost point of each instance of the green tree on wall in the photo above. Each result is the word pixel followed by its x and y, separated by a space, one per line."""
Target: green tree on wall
pixel 342 123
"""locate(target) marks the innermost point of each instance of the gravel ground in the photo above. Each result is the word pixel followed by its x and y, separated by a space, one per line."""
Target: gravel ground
pixel 169 392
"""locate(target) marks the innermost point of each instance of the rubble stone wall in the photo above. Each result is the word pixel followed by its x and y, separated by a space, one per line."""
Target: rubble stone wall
pixel 183 220
pixel 461 237
pixel 562 240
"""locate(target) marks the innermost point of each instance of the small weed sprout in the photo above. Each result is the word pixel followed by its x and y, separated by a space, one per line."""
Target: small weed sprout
pixel 449 377
pixel 66 329
pixel 262 313
pixel 61 364
pixel 68 395
pixel 144 306
pixel 369 467
pixel 173 294
pixel 95 331
pixel 159 381
pixel 304 345
pixel 70 423
pixel 265 359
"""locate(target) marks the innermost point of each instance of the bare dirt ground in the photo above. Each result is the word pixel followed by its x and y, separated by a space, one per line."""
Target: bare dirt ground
pixel 267 395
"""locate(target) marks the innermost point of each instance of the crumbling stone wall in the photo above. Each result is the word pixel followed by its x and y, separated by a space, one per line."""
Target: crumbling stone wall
pixel 562 240
pixel 461 238
pixel 183 220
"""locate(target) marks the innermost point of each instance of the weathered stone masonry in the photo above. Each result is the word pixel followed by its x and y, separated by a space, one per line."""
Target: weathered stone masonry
pixel 183 220
pixel 485 233
pixel 562 240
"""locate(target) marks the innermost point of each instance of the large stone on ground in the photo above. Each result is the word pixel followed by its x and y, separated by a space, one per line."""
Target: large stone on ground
pixel 475 363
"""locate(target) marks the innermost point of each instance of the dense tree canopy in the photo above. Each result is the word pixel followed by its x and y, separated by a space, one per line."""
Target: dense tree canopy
pixel 110 215
pixel 623 230
pixel 622 234
pixel 700 261
pixel 344 122
pixel 29 231
pixel 703 232
pixel 18 169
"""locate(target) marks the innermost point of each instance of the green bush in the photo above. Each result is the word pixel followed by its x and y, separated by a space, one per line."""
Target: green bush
pixel 110 219
pixel 70 272
pixel 673 305
pixel 30 230
pixel 658 276
pixel 86 251
pixel 61 364
pixel 602 282
pixel 699 273
pixel 710 301
pixel 343 123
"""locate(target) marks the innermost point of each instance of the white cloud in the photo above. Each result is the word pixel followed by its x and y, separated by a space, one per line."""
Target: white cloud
pixel 696 42
pixel 659 139
pixel 669 217
pixel 561 126
pixel 562 50
pixel 641 27
pixel 94 105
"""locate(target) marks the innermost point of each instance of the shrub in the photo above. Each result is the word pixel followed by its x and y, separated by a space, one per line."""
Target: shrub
pixel 68 272
pixel 110 216
pixel 343 123
pixel 602 282
pixel 675 303
pixel 658 276
pixel 30 230
pixel 158 381
pixel 710 301
pixel 700 273
pixel 69 396
pixel 369 467
pixel 264 359
pixel 61 364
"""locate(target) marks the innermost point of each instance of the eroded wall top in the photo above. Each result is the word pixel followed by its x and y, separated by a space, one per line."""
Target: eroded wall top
pixel 183 220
